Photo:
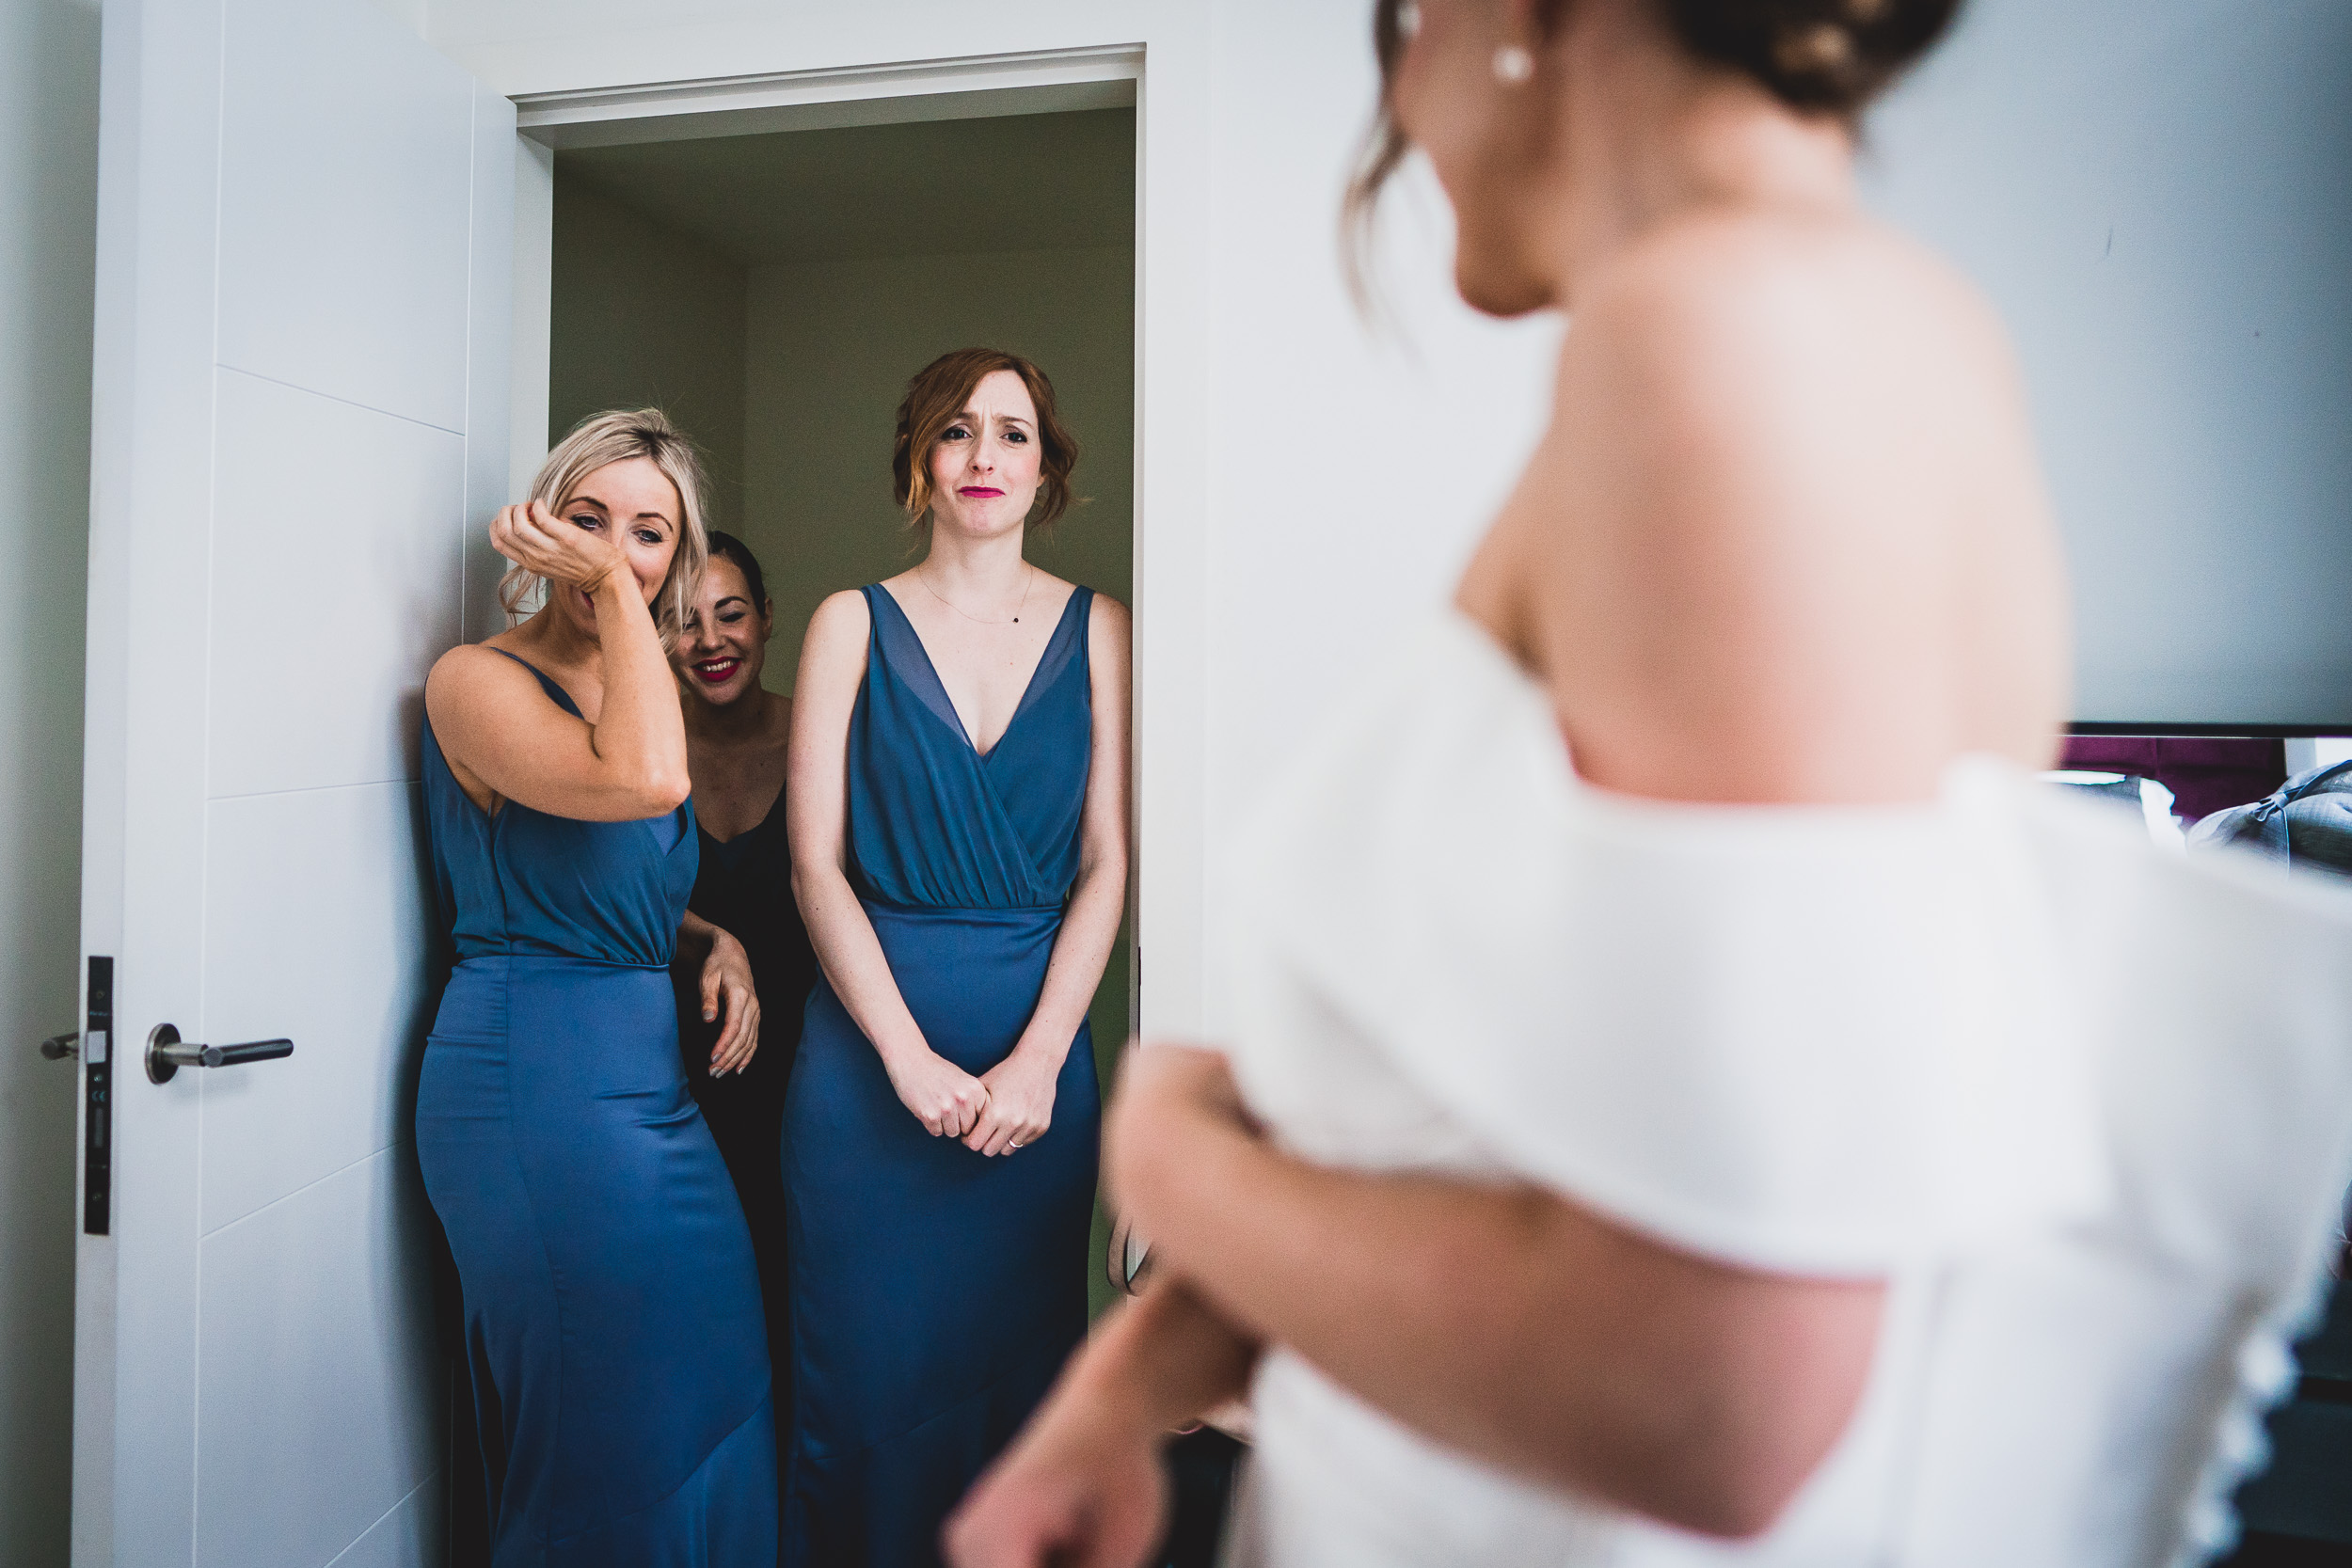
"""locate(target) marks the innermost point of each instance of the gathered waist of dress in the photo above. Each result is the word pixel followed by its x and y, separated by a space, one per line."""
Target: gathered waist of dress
pixel 1012 917
pixel 548 957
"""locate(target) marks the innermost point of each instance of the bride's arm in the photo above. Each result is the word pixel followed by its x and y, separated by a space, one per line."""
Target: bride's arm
pixel 1083 1483
pixel 1507 1323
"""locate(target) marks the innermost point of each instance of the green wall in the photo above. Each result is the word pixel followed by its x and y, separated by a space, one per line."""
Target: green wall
pixel 48 212
pixel 643 315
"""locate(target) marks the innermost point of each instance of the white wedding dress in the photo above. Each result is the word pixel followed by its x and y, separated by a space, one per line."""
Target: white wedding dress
pixel 2085 1104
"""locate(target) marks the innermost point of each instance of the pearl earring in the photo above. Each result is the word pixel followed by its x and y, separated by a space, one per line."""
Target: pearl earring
pixel 1409 19
pixel 1514 65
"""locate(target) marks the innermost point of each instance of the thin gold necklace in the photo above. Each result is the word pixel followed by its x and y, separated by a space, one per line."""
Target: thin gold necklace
pixel 1028 582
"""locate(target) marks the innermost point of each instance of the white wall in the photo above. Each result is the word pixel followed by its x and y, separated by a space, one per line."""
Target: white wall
pixel 1353 470
pixel 48 192
pixel 2158 194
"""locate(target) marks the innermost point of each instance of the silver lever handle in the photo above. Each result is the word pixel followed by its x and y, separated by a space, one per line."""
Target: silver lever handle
pixel 58 1047
pixel 166 1055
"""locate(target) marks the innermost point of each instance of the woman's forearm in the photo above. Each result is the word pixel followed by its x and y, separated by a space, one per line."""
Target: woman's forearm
pixel 1082 949
pixel 852 959
pixel 1162 1360
pixel 642 726
pixel 693 947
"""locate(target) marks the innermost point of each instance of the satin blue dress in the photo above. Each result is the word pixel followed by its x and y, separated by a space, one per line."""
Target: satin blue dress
pixel 613 1331
pixel 936 1292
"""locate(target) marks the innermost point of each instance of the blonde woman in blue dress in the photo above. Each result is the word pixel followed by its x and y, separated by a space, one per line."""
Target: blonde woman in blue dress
pixel 1688 1095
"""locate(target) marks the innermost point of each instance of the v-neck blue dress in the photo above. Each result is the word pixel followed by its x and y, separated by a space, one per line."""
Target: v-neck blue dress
pixel 935 1291
pixel 613 1331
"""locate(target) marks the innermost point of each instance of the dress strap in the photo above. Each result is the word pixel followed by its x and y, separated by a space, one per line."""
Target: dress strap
pixel 895 646
pixel 1069 641
pixel 547 682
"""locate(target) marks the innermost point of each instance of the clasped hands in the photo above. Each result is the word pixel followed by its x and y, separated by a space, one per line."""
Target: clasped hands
pixel 1004 1109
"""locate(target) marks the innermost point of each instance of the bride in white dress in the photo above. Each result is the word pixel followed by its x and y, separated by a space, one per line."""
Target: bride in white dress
pixel 1690 1096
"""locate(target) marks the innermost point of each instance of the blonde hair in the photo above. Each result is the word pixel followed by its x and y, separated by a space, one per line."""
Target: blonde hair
pixel 616 436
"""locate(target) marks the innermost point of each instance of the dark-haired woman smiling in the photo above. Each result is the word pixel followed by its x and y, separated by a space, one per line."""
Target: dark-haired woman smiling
pixel 736 735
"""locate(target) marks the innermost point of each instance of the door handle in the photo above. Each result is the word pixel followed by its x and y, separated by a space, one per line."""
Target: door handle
pixel 167 1053
pixel 58 1047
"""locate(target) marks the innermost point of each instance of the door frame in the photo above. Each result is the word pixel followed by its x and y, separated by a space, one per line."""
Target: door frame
pixel 1172 335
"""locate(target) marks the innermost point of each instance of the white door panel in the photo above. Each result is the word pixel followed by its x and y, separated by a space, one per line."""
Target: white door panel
pixel 409 1536
pixel 304 957
pixel 338 587
pixel 359 1413
pixel 345 207
pixel 303 340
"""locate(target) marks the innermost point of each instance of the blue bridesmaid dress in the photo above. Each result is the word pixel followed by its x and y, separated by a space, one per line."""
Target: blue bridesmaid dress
pixel 936 1292
pixel 612 1315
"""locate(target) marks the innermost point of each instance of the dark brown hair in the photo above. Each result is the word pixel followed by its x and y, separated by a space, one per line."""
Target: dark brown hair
pixel 1818 56
pixel 726 546
pixel 936 398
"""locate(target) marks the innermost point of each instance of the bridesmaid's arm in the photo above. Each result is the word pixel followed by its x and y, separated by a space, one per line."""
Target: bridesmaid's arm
pixel 726 984
pixel 1021 1088
pixel 504 740
pixel 942 1096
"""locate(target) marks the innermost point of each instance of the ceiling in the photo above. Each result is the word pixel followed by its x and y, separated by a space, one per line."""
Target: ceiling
pixel 933 188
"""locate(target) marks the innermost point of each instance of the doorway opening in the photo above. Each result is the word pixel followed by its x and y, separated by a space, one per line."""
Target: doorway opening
pixel 773 292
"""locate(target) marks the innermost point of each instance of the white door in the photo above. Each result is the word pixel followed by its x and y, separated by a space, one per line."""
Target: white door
pixel 305 233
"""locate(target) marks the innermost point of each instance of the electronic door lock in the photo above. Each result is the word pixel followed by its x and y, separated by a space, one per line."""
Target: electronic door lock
pixel 166 1055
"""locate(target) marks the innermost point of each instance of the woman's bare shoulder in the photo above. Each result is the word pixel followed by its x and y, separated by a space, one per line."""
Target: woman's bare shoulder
pixel 832 650
pixel 1048 588
pixel 472 673
pixel 1110 631
pixel 842 614
pixel 776 718
pixel 1728 370
pixel 1772 445
pixel 1108 614
pixel 1814 308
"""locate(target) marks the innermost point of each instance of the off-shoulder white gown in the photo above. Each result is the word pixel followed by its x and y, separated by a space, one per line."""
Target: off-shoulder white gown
pixel 2085 1104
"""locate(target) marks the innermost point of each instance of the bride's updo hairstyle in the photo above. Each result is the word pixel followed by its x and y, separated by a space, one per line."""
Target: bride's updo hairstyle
pixel 1818 56
pixel 1826 58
